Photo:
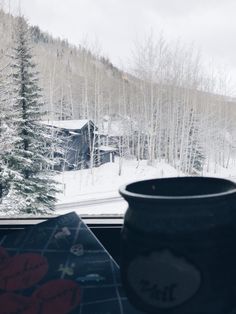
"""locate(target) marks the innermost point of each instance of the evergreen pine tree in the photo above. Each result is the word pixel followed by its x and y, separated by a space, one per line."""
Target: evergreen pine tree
pixel 4 142
pixel 34 185
pixel 8 138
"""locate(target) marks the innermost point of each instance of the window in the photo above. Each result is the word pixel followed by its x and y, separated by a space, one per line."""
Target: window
pixel 121 91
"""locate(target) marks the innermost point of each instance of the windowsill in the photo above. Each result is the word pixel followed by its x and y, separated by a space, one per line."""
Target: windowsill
pixel 94 220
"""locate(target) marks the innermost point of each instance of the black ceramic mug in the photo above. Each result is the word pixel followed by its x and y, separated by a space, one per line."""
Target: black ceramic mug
pixel 178 247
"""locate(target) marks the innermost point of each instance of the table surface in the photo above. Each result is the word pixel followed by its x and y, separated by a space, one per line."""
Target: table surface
pixel 59 265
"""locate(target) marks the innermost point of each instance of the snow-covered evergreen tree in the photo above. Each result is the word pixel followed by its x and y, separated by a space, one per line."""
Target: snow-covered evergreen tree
pixel 4 141
pixel 8 139
pixel 34 185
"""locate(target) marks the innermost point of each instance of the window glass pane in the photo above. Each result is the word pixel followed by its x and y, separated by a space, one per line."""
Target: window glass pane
pixel 97 94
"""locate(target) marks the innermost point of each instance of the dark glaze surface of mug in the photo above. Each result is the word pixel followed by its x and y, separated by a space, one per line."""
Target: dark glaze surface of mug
pixel 178 250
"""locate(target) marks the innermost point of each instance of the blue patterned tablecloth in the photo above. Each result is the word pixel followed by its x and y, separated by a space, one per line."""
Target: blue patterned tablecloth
pixel 59 266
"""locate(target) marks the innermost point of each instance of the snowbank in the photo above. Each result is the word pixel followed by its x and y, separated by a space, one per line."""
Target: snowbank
pixel 105 181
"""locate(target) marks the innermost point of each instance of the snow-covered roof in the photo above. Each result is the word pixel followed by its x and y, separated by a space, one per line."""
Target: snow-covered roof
pixel 107 148
pixel 67 124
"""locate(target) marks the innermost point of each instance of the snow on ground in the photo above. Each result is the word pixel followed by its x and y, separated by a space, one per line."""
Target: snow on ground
pixel 104 181
pixel 219 171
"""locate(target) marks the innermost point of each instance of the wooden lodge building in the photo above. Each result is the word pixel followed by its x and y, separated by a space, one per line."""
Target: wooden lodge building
pixel 78 138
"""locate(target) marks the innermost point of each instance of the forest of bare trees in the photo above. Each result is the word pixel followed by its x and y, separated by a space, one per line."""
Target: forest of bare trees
pixel 170 106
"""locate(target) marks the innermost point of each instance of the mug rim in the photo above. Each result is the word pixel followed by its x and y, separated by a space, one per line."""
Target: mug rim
pixel 127 195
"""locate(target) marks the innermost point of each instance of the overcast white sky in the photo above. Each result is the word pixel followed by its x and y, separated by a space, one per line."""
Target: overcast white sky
pixel 116 24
